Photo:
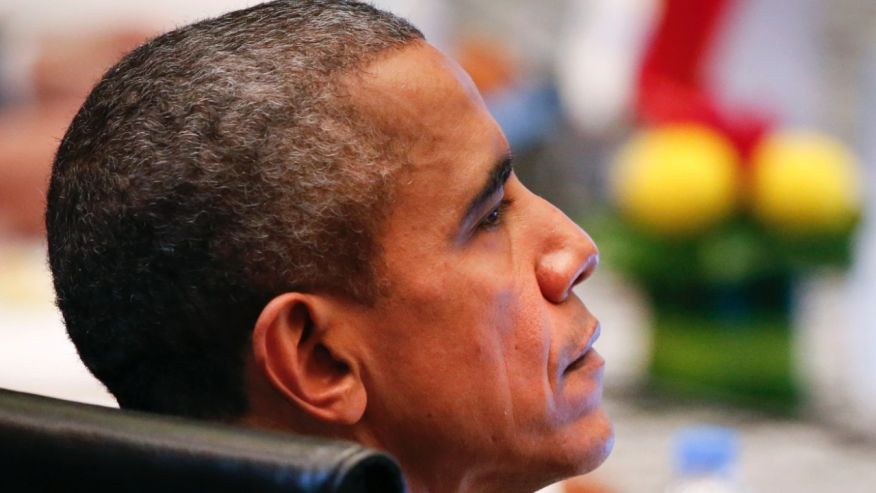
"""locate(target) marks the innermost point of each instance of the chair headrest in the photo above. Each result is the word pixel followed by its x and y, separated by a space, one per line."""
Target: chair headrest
pixel 47 443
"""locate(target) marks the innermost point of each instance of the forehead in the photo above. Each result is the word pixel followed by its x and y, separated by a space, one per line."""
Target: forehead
pixel 398 87
pixel 423 101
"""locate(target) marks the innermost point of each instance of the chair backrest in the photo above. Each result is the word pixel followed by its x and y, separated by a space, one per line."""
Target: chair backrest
pixel 53 445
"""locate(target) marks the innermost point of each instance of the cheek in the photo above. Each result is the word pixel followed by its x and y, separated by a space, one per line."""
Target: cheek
pixel 459 342
pixel 529 360
pixel 513 333
pixel 448 359
pixel 437 336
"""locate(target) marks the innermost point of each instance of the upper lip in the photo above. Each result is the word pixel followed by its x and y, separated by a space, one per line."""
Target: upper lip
pixel 582 351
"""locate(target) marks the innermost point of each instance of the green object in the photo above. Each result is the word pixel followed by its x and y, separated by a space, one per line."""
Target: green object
pixel 722 329
pixel 740 361
pixel 738 251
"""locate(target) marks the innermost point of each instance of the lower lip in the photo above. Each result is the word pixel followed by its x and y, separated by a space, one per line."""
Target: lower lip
pixel 589 362
pixel 582 384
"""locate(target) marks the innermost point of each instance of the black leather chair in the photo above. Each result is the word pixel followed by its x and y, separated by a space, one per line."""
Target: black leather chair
pixel 53 445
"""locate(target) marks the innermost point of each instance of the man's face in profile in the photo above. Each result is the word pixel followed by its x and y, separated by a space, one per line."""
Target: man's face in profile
pixel 479 354
pixel 219 175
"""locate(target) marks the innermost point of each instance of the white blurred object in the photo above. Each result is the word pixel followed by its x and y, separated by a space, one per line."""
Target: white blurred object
pixel 597 62
pixel 36 356
pixel 861 367
pixel 625 316
pixel 835 348
pixel 836 314
pixel 766 57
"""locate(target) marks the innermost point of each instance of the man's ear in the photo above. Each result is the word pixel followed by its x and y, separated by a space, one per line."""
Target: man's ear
pixel 291 348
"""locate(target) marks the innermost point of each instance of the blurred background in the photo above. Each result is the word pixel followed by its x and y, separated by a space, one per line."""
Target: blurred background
pixel 720 152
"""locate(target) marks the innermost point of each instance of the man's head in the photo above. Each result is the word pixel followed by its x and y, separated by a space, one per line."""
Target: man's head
pixel 211 169
pixel 301 216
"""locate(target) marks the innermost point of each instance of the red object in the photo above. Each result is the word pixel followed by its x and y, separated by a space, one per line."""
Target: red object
pixel 670 86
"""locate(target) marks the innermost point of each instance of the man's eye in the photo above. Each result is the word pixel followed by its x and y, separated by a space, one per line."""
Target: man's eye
pixel 494 218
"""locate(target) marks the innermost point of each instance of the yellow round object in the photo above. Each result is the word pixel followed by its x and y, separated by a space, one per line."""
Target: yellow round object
pixel 677 180
pixel 805 183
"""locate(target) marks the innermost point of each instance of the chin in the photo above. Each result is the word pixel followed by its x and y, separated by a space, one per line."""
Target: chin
pixel 574 448
pixel 581 450
pixel 592 444
pixel 600 448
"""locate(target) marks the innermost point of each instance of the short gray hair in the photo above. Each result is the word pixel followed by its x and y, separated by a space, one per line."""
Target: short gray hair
pixel 211 169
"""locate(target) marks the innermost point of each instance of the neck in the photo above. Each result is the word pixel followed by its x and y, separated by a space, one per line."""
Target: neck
pixel 436 469
pixel 437 476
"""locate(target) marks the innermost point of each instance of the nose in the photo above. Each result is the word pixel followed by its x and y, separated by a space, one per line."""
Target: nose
pixel 568 256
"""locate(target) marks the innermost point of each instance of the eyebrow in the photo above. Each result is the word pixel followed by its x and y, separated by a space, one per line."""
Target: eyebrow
pixel 499 174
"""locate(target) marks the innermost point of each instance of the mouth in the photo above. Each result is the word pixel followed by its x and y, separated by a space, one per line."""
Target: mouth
pixel 582 354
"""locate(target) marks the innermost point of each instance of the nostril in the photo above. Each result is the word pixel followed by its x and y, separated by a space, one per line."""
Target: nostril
pixel 586 270
pixel 580 278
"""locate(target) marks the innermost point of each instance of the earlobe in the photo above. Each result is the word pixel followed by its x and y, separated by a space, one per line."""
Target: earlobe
pixel 291 348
